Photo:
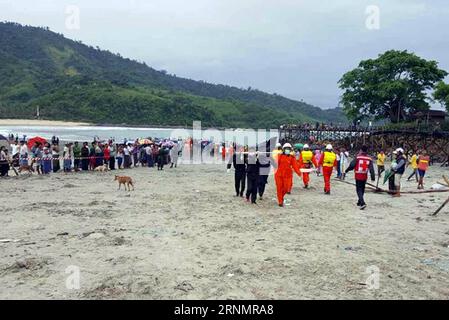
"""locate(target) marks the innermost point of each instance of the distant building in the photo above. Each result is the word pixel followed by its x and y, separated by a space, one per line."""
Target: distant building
pixel 430 116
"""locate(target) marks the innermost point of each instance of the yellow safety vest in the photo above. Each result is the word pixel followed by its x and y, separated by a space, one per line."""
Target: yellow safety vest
pixel 413 161
pixel 329 159
pixel 307 156
pixel 380 159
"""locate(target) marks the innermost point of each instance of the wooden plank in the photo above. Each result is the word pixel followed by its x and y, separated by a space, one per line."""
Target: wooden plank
pixel 441 207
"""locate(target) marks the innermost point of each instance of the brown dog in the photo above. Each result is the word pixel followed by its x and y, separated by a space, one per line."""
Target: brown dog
pixel 126 181
pixel 26 168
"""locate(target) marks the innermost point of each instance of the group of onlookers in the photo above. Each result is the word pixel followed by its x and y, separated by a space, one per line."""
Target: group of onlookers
pixel 44 157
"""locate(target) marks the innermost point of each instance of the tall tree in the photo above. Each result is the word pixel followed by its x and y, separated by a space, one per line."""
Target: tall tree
pixel 441 94
pixel 393 86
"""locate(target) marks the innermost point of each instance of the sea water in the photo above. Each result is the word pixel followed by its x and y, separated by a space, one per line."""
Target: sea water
pixel 88 133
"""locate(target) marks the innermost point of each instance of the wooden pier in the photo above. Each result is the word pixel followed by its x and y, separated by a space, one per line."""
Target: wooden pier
pixel 436 142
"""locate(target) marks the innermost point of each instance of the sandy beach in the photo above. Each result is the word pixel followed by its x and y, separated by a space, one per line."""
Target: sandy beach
pixel 35 122
pixel 183 235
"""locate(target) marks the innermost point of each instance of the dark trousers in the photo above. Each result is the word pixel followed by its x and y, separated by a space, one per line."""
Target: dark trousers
pixel 4 168
pixel 85 164
pixel 240 180
pixel 127 162
pixel 251 191
pixel 150 160
pixel 160 162
pixel 391 185
pixel 414 173
pixel 360 188
pixel 56 164
pixel 380 170
pixel 76 163
pixel 112 163
pixel 263 180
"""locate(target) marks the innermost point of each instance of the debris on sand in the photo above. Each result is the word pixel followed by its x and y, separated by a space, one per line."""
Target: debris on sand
pixel 184 286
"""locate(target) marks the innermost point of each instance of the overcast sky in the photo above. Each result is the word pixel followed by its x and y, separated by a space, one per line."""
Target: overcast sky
pixel 297 48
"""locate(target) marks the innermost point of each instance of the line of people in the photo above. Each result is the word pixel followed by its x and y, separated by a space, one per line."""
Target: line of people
pixel 303 162
pixel 44 157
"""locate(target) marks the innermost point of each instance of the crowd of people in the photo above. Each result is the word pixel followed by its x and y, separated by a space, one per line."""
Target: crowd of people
pixel 44 157
pixel 252 167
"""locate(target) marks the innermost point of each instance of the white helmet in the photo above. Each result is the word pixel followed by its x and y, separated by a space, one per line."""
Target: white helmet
pixel 287 145
pixel 329 147
pixel 278 145
pixel 400 150
pixel 306 146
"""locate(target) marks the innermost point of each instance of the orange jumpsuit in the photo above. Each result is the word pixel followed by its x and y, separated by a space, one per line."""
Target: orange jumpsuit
pixel 306 159
pixel 223 153
pixel 284 175
pixel 328 161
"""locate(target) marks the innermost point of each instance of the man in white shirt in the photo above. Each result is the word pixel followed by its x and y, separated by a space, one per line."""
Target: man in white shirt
pixel 15 148
pixel 23 153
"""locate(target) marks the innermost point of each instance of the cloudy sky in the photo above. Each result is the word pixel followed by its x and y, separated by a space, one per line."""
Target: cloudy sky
pixel 297 48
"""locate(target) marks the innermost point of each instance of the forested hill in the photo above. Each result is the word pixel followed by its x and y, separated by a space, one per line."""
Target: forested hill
pixel 69 80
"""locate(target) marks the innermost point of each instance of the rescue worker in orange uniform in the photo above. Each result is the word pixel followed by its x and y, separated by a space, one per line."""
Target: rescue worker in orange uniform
pixel 223 152
pixel 328 161
pixel 423 164
pixel 306 160
pixel 286 164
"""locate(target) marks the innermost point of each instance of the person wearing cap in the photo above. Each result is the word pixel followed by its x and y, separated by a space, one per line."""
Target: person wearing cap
pixel 398 170
pixel 361 165
pixel 328 161
pixel 306 161
pixel 286 164
pixel 46 160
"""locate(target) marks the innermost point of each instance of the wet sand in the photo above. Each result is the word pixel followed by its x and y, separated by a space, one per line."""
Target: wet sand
pixel 183 235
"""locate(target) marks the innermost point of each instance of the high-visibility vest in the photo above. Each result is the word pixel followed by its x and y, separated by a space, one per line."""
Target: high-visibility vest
pixel 307 156
pixel 380 159
pixel 423 163
pixel 413 161
pixel 329 159
pixel 362 166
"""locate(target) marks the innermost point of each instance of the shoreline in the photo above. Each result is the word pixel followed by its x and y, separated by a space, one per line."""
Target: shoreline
pixel 35 122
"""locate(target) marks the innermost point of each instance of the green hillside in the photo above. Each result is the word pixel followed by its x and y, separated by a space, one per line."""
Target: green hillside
pixel 69 80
